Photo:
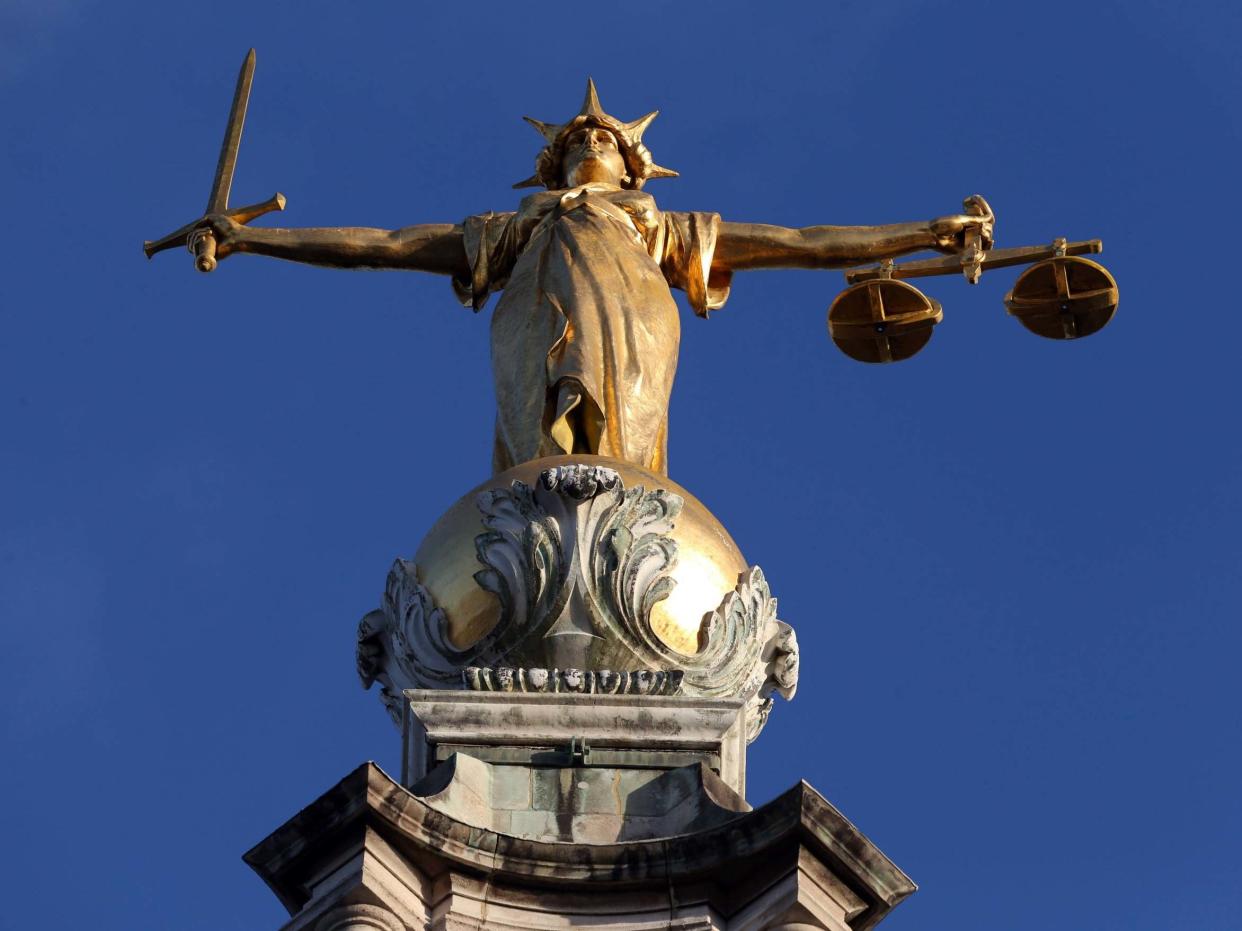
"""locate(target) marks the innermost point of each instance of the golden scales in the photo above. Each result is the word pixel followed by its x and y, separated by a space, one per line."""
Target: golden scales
pixel 881 318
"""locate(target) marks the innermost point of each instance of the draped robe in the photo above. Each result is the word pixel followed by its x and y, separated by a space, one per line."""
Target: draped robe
pixel 586 332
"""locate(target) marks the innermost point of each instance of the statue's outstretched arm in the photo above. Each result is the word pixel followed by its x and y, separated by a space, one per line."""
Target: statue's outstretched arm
pixel 431 247
pixel 756 245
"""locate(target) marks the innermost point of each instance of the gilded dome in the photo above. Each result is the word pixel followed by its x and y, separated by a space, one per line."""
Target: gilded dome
pixel 707 566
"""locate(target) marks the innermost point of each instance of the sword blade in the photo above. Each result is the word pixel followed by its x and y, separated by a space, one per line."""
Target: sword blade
pixel 219 200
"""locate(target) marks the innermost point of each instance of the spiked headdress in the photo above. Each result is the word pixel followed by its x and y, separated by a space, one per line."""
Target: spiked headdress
pixel 629 141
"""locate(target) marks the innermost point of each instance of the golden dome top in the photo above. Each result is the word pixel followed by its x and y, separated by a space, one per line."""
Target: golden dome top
pixel 707 568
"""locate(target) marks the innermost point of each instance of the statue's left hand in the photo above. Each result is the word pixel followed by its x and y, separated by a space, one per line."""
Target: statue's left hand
pixel 950 231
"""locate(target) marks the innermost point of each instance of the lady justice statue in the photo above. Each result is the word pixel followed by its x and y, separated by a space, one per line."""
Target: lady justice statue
pixel 578 566
pixel 585 335
pixel 578 630
pixel 578 654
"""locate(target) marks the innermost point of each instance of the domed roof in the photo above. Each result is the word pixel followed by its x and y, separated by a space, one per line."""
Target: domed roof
pixel 580 574
pixel 706 569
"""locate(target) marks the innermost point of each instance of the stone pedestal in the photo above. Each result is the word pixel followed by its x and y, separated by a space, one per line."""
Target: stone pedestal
pixel 577 658
pixel 542 811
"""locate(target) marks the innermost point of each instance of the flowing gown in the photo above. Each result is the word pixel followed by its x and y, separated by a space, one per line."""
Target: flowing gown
pixel 585 335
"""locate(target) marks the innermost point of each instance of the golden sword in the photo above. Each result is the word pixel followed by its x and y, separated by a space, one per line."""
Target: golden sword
pixel 198 238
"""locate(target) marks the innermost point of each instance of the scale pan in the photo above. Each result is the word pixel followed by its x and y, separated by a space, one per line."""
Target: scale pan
pixel 882 320
pixel 1063 298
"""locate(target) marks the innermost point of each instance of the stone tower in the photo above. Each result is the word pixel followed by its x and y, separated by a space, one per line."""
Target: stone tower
pixel 577 658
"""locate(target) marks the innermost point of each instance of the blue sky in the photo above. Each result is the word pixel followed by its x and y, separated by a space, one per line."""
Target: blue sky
pixel 1012 564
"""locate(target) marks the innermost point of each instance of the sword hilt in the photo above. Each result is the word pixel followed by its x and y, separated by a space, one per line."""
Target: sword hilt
pixel 202 244
pixel 183 236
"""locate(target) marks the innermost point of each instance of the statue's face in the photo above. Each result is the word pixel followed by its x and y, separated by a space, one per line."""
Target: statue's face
pixel 592 154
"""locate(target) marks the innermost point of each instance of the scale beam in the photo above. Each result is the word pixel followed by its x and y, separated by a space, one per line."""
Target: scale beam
pixel 952 265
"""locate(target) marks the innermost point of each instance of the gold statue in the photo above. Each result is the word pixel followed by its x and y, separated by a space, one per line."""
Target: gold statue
pixel 586 331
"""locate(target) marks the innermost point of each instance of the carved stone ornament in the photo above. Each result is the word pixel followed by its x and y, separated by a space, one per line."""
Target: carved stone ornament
pixel 589 681
pixel 577 562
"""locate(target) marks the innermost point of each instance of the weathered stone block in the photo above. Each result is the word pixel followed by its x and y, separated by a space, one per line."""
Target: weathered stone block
pixel 646 731
pixel 534 824
pixel 511 787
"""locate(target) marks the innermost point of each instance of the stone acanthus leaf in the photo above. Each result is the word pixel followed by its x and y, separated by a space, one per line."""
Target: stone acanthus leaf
pixel 749 653
pixel 577 563
pixel 404 644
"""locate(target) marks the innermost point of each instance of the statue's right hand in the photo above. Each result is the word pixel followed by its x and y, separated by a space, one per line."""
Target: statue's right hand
pixel 949 232
pixel 225 230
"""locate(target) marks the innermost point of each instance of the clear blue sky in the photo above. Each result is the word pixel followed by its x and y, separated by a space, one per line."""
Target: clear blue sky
pixel 1013 564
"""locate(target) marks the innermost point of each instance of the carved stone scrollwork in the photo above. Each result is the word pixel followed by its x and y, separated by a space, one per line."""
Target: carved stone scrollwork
pixel 404 645
pixel 577 562
pixel 749 652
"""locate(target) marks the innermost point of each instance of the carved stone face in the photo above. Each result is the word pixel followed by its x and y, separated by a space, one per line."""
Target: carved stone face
pixel 608 680
pixel 573 679
pixel 504 677
pixel 592 154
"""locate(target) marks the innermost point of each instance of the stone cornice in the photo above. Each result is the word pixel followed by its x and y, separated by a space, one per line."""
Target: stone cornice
pixel 369 800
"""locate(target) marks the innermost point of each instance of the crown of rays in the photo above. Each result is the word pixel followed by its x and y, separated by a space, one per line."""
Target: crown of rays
pixel 629 136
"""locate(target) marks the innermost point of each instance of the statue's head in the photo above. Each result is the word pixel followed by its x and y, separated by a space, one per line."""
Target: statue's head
pixel 593 153
pixel 594 146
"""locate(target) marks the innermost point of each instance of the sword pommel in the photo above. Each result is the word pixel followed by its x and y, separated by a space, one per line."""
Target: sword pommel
pixel 203 245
